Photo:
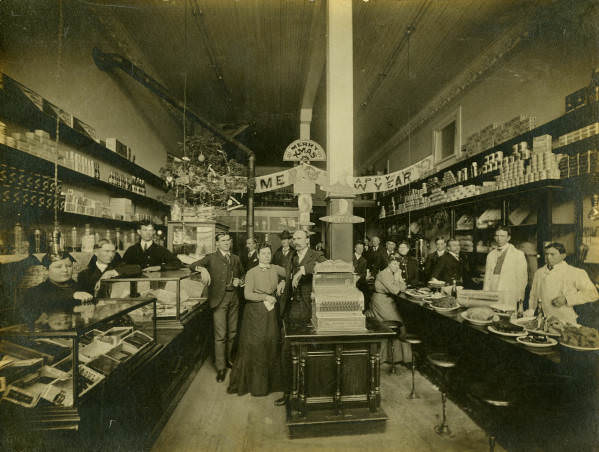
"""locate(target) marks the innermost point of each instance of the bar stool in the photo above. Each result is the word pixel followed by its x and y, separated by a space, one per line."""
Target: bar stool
pixel 393 325
pixel 412 339
pixel 443 361
pixel 497 397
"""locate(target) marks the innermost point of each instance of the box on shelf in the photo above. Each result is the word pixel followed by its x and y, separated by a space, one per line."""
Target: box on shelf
pixel 116 146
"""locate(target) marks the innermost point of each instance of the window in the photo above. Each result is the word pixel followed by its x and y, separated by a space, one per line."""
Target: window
pixel 447 137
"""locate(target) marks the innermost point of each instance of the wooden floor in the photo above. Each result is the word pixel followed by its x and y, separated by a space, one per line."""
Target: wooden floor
pixel 209 419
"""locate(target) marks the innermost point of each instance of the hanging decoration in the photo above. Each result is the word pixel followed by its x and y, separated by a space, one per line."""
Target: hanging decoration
pixel 204 176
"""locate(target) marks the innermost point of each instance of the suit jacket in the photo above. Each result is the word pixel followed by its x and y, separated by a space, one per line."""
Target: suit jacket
pixel 283 260
pixel 448 268
pixel 360 267
pixel 301 294
pixel 221 274
pixel 409 270
pixel 154 255
pixel 513 277
pixel 430 263
pixel 248 262
pixel 87 278
pixel 377 260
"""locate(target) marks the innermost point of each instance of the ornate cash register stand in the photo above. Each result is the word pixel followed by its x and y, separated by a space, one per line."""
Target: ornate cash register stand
pixel 335 360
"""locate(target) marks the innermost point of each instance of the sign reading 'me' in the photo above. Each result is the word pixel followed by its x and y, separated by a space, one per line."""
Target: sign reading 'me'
pixel 304 151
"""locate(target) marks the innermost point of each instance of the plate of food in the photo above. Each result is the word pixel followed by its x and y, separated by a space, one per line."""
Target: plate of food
pixel 444 304
pixel 537 341
pixel 580 338
pixel 478 315
pixel 419 294
pixel 504 327
pixel 502 308
pixel 531 324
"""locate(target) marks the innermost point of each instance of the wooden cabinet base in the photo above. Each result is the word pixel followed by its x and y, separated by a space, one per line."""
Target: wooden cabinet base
pixel 327 423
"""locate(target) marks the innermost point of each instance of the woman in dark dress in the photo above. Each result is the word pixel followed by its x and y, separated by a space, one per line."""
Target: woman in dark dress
pixel 257 368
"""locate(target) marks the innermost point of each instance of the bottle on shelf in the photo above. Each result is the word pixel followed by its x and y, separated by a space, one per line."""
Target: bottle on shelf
pixel 37 241
pixel 74 238
pixel 108 235
pixel 118 244
pixel 18 237
pixel 88 240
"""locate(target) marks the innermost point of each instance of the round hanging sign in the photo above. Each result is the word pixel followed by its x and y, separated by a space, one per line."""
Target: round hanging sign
pixel 304 151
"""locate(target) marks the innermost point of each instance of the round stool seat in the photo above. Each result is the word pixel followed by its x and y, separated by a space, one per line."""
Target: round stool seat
pixel 442 360
pixel 393 324
pixel 411 339
pixel 493 394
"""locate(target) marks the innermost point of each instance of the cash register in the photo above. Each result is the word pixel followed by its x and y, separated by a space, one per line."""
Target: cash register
pixel 337 304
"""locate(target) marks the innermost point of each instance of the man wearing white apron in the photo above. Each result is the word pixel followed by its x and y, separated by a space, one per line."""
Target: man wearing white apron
pixel 561 286
pixel 506 269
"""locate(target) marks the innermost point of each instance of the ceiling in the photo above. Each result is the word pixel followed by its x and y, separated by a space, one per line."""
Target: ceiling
pixel 247 61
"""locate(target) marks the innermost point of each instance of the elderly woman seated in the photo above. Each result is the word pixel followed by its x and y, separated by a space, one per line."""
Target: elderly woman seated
pixel 58 292
pixel 388 283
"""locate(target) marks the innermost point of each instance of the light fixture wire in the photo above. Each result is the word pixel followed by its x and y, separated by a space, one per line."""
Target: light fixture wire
pixel 58 79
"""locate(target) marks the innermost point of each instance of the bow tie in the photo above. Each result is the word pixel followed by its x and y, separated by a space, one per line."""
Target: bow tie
pixel 264 267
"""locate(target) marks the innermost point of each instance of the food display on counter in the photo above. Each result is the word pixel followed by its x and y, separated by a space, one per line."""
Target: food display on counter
pixel 580 337
pixel 553 326
pixel 445 304
pixel 420 294
pixel 537 341
pixel 479 315
pixel 504 327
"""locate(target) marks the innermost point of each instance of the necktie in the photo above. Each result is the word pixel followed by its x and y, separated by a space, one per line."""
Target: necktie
pixel 228 257
pixel 549 267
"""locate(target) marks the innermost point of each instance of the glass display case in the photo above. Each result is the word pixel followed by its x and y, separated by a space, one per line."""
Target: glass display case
pixel 179 295
pixel 39 370
pixel 193 238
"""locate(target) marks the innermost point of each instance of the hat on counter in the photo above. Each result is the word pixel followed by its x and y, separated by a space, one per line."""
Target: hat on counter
pixel 286 235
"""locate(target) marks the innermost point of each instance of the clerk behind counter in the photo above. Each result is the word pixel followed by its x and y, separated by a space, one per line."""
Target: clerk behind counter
pixel 150 255
pixel 561 286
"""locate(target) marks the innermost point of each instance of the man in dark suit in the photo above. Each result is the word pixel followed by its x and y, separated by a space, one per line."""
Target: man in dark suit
pixel 302 269
pixel 390 246
pixel 433 258
pixel 104 266
pixel 225 272
pixel 361 269
pixel 150 255
pixel 299 309
pixel 249 258
pixel 452 266
pixel 282 257
pixel 376 257
pixel 408 264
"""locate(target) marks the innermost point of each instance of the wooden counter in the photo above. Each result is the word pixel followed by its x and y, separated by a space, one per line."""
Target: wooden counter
pixel 336 380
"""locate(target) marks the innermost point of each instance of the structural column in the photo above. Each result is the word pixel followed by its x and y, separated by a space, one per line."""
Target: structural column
pixel 340 122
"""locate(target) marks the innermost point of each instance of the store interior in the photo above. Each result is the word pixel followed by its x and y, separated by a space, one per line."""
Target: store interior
pixel 434 119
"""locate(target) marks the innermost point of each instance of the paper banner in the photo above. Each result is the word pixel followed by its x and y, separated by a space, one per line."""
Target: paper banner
pixel 366 184
pixel 371 184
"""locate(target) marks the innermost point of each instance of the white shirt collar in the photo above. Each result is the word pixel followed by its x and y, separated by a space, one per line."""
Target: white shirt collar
pixel 440 253
pixel 457 256
pixel 225 254
pixel 146 244
pixel 102 267
pixel 358 256
pixel 301 254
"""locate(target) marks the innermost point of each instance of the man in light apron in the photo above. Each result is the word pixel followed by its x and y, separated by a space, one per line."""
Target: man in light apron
pixel 506 269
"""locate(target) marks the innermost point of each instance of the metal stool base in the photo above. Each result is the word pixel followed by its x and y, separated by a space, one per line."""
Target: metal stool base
pixel 412 395
pixel 442 430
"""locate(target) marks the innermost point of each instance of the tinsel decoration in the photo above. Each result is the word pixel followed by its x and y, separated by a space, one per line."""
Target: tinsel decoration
pixel 204 176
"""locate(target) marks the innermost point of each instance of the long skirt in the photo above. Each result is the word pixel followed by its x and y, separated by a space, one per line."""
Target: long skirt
pixel 257 367
pixel 383 308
